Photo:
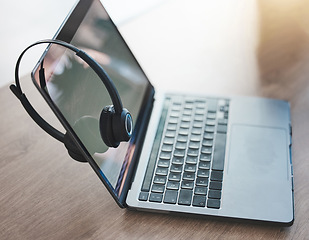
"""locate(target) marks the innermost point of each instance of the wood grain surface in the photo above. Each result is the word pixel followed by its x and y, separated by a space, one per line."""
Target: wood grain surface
pixel 256 48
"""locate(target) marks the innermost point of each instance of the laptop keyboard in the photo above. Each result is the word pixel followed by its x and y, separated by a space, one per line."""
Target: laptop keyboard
pixel 187 160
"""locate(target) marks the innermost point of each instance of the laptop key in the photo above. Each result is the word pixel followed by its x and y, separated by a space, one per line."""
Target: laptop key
pixel 182 138
pixel 222 121
pixel 172 185
pixel 205 157
pixel 175 113
pixel 200 190
pixel 170 196
pixel 172 126
pixel 176 168
pixel 176 107
pixel 174 177
pixel 191 160
pixel 219 152
pixel 183 131
pixel 177 160
pixel 185 125
pixel 163 163
pixel 194 145
pixel 156 197
pixel 161 171
pixel 214 194
pixel 203 173
pixel 167 148
pixel 221 128
pixel 186 118
pixel 168 140
pixel 201 181
pixel 181 146
pixel 200 104
pixel 190 168
pixel 209 129
pixel 199 201
pixel 211 115
pixel 190 176
pixel 159 179
pixel 187 112
pixel 207 143
pixel 179 152
pixel 158 188
pixel 198 118
pixel 185 197
pixel 200 111
pixel 208 136
pixel 213 203
pixel 204 165
pixel 197 125
pixel 215 185
pixel 165 155
pixel 173 120
pixel 226 108
pixel 212 105
pixel 187 184
pixel 206 150
pixel 170 133
pixel 195 138
pixel 211 122
pixel 216 175
pixel 193 152
pixel 143 196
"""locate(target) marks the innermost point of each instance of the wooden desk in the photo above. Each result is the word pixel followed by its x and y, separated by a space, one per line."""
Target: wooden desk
pixel 251 47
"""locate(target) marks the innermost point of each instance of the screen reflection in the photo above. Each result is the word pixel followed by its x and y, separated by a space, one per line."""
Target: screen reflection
pixel 80 95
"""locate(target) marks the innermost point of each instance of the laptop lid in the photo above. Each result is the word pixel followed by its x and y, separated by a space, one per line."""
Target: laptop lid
pixel 77 96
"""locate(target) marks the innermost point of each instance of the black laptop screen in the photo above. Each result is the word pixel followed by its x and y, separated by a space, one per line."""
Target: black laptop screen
pixel 79 95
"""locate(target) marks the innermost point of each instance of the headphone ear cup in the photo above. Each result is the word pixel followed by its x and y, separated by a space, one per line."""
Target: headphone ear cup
pixel 73 151
pixel 76 156
pixel 106 126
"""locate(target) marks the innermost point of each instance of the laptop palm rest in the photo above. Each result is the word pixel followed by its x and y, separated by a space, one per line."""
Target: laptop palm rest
pixel 257 169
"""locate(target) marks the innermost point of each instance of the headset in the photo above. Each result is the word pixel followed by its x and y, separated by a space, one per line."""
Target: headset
pixel 115 122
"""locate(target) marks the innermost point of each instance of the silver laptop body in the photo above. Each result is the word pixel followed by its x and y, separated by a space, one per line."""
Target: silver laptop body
pixel 251 137
pixel 258 177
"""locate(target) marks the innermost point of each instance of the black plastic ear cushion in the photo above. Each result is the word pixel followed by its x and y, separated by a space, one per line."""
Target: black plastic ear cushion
pixel 73 151
pixel 77 156
pixel 106 127
pixel 122 126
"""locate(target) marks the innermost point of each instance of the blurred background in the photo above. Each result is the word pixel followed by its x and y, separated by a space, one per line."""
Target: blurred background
pixel 276 34
pixel 24 22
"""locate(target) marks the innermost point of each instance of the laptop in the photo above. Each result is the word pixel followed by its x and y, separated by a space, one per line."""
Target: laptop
pixel 224 157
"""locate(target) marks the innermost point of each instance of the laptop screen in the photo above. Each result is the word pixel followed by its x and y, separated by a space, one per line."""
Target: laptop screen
pixel 78 94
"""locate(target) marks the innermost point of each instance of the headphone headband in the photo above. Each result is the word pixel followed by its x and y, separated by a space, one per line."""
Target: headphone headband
pixel 113 123
pixel 89 60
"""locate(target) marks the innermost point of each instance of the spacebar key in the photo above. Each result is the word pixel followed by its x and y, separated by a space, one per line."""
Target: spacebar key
pixel 219 152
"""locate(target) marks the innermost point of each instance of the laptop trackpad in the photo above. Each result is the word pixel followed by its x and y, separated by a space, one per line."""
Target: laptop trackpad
pixel 257 173
pixel 258 152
